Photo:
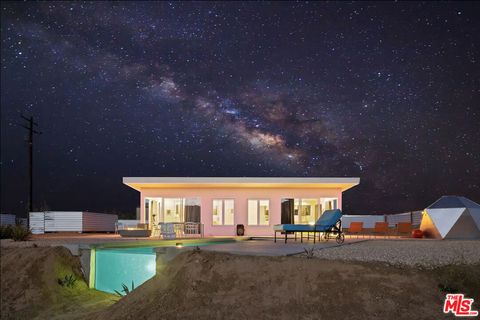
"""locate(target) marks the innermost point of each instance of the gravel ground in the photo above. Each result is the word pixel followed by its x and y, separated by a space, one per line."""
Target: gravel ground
pixel 419 253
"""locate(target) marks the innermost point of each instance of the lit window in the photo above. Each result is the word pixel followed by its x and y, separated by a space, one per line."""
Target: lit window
pixel 306 211
pixel 217 218
pixel 173 209
pixel 223 212
pixel 258 212
pixel 228 212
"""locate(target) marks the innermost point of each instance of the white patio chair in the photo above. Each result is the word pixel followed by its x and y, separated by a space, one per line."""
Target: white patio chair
pixel 167 231
pixel 191 228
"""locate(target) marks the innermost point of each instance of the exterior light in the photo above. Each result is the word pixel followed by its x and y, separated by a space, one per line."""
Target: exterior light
pixel 179 245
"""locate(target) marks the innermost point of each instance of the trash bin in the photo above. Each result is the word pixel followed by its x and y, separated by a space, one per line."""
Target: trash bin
pixel 240 230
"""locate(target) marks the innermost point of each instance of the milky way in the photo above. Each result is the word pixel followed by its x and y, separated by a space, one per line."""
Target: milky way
pixel 389 92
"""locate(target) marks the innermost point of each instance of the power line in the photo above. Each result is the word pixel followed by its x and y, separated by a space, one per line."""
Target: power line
pixel 29 125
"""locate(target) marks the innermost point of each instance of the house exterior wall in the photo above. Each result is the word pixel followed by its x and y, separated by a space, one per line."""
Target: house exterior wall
pixel 241 197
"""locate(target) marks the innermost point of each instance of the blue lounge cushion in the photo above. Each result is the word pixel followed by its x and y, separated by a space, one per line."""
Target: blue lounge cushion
pixel 327 220
pixel 294 227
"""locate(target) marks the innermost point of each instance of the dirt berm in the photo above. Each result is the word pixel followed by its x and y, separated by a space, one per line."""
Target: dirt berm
pixel 205 285
pixel 30 286
pixel 208 285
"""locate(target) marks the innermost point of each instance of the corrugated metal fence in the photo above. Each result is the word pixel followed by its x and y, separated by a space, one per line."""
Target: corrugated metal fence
pixel 37 222
pixel 95 222
pixel 414 217
pixel 7 219
pixel 71 221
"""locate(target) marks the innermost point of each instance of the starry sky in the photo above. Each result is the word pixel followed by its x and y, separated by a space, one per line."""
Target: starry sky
pixel 388 92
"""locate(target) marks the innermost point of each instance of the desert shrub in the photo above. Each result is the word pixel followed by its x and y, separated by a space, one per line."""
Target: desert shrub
pixel 6 232
pixel 447 288
pixel 20 233
pixel 461 278
pixel 125 290
pixel 309 253
pixel 68 281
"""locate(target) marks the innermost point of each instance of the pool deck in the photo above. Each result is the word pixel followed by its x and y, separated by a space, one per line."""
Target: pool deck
pixel 264 246
pixel 53 239
pixel 269 248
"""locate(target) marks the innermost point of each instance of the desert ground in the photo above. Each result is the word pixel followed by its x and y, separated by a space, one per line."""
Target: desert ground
pixel 215 285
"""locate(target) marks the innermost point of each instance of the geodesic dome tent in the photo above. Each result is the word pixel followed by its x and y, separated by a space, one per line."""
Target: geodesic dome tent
pixel 452 217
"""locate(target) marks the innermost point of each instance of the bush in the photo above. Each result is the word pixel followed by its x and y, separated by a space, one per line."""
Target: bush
pixel 6 232
pixel 20 233
pixel 125 290
pixel 309 253
pixel 459 278
pixel 68 281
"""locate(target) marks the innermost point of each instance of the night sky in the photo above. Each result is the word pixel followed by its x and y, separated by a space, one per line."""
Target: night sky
pixel 389 92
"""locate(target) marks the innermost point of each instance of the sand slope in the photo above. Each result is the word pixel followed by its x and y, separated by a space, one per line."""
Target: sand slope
pixel 205 285
pixel 208 285
pixel 30 289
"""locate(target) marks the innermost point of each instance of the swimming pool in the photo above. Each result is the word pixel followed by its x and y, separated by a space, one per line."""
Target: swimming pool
pixel 131 265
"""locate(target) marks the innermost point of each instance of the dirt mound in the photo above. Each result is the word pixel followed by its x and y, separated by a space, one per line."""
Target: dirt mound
pixel 204 285
pixel 30 285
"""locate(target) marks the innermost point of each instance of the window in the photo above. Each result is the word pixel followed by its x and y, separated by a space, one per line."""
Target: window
pixel 192 210
pixel 306 211
pixel 147 210
pixel 328 204
pixel 228 212
pixel 173 210
pixel 258 212
pixel 217 219
pixel 223 212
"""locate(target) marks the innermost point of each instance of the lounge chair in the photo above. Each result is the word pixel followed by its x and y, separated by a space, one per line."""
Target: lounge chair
pixel 329 222
pixel 381 228
pixel 355 227
pixel 404 228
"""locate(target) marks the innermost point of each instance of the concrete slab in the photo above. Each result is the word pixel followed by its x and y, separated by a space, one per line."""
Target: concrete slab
pixel 270 248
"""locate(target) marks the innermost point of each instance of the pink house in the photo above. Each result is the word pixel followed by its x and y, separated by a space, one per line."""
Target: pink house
pixel 220 204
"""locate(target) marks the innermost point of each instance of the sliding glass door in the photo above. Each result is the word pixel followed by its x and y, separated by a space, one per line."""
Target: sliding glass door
pixel 171 210
pixel 305 211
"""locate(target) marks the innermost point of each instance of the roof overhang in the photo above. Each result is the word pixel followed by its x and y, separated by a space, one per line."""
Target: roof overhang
pixel 139 183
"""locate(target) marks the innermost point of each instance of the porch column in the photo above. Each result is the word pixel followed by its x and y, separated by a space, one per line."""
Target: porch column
pixel 339 196
pixel 142 207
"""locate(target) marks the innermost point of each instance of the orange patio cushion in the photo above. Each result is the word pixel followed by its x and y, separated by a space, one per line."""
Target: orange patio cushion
pixel 404 227
pixel 355 227
pixel 381 227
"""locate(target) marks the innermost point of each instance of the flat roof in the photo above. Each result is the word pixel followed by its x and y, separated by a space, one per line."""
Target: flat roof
pixel 139 183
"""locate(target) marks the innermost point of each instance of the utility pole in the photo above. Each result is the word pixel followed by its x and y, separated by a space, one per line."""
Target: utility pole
pixel 31 131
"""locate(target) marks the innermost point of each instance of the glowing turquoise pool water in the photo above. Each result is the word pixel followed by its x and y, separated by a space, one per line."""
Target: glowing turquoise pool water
pixel 117 266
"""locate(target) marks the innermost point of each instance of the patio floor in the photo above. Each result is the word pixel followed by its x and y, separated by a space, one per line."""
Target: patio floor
pixel 263 246
pixel 270 248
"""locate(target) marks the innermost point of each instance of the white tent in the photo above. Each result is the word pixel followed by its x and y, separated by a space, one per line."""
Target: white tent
pixel 452 217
